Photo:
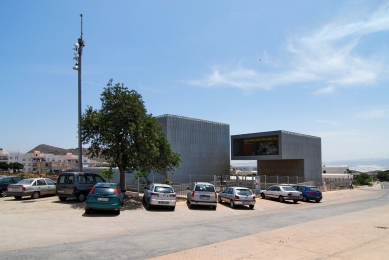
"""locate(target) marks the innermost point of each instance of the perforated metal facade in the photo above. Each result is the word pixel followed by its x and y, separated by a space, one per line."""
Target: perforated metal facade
pixel 204 145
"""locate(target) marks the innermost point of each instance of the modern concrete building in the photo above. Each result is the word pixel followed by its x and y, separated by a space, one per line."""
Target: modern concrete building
pixel 280 153
pixel 204 145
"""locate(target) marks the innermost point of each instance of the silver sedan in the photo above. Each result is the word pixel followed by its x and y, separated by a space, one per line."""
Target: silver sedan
pixel 237 196
pixel 34 187
pixel 282 193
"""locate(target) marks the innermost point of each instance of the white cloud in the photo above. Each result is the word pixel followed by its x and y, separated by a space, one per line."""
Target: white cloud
pixel 328 56
pixel 324 91
pixel 378 113
pixel 328 122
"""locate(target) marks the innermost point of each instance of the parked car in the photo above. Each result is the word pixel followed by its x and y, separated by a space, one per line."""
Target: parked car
pixel 237 196
pixel 201 193
pixel 309 192
pixel 282 193
pixel 157 194
pixel 34 187
pixel 76 184
pixel 5 181
pixel 104 196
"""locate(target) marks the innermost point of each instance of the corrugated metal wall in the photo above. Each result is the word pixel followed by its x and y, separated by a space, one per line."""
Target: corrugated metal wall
pixel 204 145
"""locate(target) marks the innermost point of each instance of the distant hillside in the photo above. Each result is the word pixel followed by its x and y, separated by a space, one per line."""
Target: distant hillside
pixel 47 149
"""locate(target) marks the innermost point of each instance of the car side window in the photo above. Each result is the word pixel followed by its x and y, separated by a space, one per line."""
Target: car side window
pixel 89 179
pixel 81 179
pixel 40 182
pixel 16 180
pixel 99 179
pixel 230 191
pixel 277 189
pixel 49 182
pixel 7 180
pixel 33 183
pixel 271 188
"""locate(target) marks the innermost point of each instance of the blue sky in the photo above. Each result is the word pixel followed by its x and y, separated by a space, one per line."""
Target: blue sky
pixel 313 67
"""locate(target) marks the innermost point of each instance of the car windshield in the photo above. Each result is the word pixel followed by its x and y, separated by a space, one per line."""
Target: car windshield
pixel 243 192
pixel 287 188
pixel 204 187
pixel 104 190
pixel 162 189
pixel 26 181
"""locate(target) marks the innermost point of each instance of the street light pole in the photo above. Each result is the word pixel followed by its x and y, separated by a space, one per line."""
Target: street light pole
pixel 78 47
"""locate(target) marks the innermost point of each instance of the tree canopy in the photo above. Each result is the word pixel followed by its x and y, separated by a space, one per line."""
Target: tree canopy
pixel 125 135
pixel 383 175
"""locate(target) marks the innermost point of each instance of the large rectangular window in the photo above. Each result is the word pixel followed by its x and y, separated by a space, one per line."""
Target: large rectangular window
pixel 267 145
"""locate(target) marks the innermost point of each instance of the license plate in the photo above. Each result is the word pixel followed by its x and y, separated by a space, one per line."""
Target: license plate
pixel 163 202
pixel 60 191
pixel 245 202
pixel 204 197
pixel 102 199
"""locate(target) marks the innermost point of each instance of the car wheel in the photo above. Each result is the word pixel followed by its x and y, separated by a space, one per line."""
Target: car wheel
pixel 251 206
pixel 220 200
pixel 18 197
pixel 263 196
pixel 35 195
pixel 62 198
pixel 318 200
pixel 144 198
pixel 81 197
pixel 295 201
pixel 305 198
pixel 214 207
pixel 87 211
pixel 173 208
pixel 117 212
pixel 3 193
pixel 232 204
pixel 189 204
pixel 281 199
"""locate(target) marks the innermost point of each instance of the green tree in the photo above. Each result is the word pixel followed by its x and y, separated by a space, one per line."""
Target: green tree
pixel 362 179
pixel 4 166
pixel 383 176
pixel 108 174
pixel 16 167
pixel 125 135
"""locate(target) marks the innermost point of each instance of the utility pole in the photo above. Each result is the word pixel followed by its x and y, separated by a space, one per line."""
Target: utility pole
pixel 77 56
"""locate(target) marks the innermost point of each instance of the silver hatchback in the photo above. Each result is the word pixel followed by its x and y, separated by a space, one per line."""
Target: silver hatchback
pixel 201 193
pixel 237 196
pixel 157 194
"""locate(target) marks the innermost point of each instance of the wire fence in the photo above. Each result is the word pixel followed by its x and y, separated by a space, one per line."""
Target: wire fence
pixel 181 183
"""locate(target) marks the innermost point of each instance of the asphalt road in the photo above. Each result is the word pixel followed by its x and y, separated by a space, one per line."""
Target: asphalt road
pixel 62 231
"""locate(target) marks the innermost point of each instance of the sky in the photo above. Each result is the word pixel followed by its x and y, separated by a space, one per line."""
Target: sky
pixel 318 68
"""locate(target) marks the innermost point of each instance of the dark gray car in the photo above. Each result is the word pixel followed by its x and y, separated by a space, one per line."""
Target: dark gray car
pixel 76 184
pixel 5 181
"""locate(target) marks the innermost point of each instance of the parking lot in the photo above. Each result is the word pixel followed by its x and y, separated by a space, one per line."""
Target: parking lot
pixel 47 221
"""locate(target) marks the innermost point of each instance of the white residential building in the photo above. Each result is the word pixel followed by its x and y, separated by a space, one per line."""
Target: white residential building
pixel 38 162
